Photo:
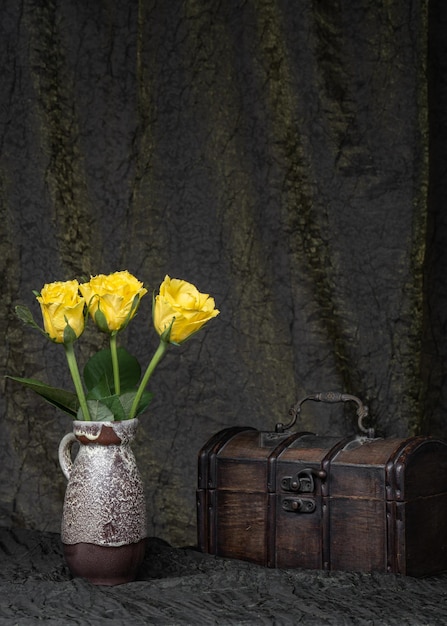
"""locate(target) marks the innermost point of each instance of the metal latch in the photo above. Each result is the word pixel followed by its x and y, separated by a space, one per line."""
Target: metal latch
pixel 303 481
pixel 298 505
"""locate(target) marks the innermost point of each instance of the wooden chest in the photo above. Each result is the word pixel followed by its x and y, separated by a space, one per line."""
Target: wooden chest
pixel 288 500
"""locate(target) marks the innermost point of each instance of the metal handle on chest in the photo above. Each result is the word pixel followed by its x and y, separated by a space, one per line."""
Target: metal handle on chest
pixel 331 397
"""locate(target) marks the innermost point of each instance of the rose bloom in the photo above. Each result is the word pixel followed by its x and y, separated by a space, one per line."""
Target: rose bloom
pixel 61 304
pixel 114 296
pixel 182 301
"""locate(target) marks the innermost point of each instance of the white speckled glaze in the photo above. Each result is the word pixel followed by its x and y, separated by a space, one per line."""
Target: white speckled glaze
pixel 104 500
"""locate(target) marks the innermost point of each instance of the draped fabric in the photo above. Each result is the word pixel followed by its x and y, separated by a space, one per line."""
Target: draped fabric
pixel 434 363
pixel 275 154
pixel 181 587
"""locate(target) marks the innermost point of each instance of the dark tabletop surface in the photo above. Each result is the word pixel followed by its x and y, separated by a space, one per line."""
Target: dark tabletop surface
pixel 182 586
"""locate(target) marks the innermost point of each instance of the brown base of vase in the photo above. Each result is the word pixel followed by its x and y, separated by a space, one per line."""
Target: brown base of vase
pixel 105 565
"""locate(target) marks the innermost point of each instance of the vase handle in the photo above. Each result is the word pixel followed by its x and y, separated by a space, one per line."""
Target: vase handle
pixel 65 454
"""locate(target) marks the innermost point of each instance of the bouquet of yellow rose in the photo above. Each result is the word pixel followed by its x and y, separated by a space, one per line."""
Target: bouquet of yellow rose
pixel 112 388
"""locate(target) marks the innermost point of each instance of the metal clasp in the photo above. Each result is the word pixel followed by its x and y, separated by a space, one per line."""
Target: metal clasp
pixel 303 481
pixel 298 505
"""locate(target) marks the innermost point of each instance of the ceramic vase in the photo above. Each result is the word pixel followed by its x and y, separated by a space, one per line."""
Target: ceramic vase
pixel 104 524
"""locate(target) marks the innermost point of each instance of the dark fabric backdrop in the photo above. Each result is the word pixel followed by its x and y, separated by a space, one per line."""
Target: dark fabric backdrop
pixel 274 153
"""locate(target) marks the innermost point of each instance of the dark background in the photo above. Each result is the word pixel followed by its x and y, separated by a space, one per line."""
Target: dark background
pixel 287 157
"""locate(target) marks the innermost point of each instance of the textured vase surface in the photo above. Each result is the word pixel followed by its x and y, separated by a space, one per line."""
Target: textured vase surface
pixel 104 524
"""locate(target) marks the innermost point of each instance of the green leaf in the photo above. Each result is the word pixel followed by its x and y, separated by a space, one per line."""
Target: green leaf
pixel 166 334
pixel 99 412
pixel 126 401
pixel 135 303
pixel 101 321
pixel 109 400
pixel 25 316
pixel 121 405
pixel 144 402
pixel 99 368
pixel 101 390
pixel 65 400
pixel 69 334
pixel 113 403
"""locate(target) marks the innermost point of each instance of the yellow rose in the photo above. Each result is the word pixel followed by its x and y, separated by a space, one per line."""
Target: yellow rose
pixel 113 300
pixel 62 306
pixel 182 301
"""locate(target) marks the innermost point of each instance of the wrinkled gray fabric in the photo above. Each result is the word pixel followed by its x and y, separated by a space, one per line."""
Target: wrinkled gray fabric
pixel 184 587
